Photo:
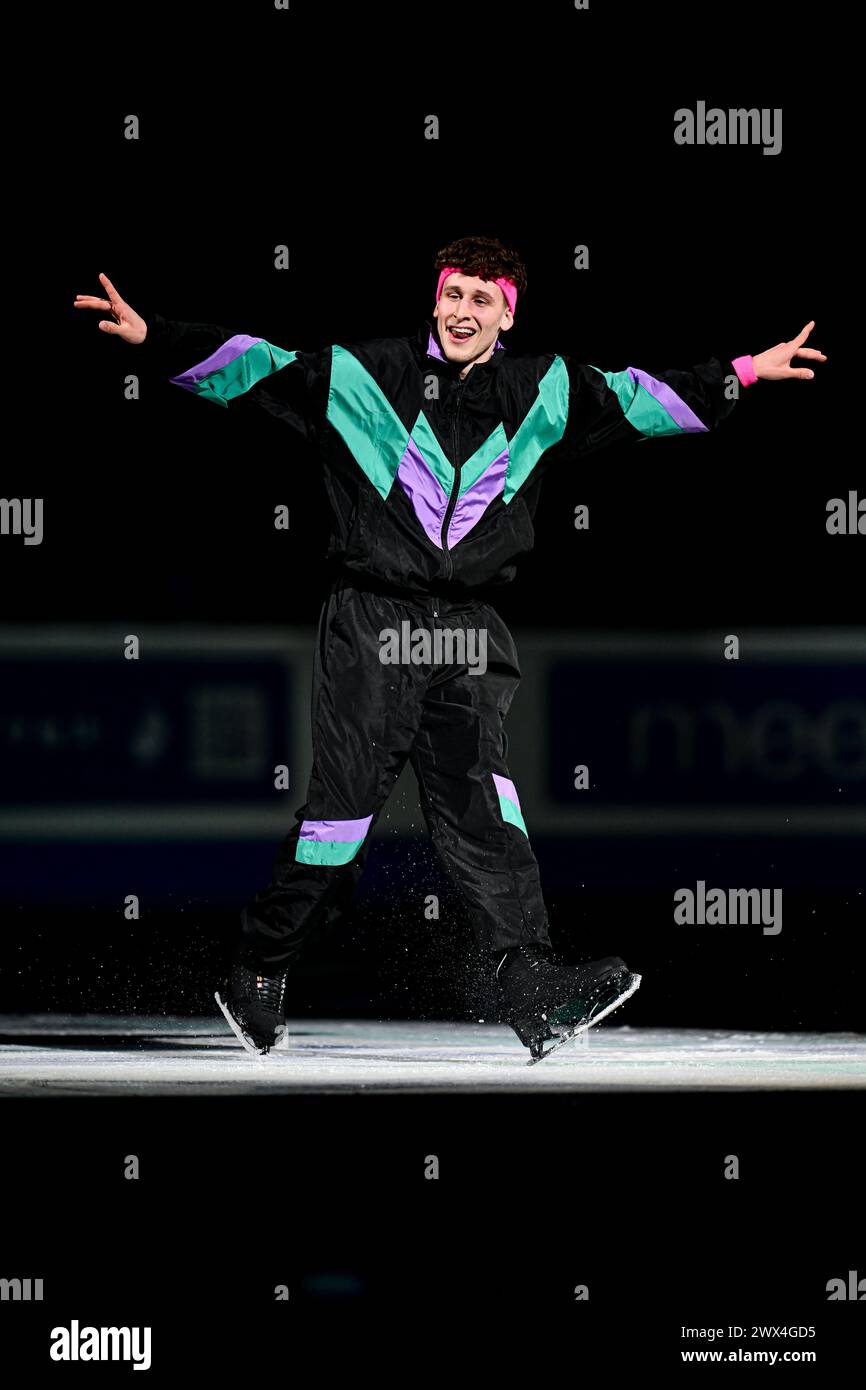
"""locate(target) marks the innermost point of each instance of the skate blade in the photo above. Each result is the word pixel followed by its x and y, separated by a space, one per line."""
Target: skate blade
pixel 247 1043
pixel 589 1022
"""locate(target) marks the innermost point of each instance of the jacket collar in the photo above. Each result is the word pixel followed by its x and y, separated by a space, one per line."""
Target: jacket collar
pixel 427 341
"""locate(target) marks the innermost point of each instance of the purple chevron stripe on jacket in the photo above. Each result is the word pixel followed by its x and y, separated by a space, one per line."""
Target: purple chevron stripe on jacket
pixel 424 492
pixel 476 499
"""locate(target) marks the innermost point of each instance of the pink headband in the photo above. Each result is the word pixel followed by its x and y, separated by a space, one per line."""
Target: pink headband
pixel 508 287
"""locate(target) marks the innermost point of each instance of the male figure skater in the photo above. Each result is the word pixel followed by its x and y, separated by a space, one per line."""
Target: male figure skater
pixel 433 448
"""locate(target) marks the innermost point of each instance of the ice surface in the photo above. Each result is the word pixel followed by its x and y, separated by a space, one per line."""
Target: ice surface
pixel 98 1055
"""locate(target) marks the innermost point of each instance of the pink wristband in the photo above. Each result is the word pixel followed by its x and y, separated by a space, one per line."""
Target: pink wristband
pixel 745 369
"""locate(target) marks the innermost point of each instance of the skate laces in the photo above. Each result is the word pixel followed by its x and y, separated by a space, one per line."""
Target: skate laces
pixel 534 953
pixel 250 985
pixel 270 990
pixel 538 953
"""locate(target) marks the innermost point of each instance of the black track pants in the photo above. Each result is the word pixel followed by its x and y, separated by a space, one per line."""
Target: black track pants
pixel 368 717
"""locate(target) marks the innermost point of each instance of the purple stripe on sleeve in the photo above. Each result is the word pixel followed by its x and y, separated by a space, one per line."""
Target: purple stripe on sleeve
pixel 506 787
pixel 339 831
pixel 477 499
pixel 231 349
pixel 676 408
pixel 425 494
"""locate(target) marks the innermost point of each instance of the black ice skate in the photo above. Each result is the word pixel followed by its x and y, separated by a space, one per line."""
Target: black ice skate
pixel 542 1000
pixel 253 1007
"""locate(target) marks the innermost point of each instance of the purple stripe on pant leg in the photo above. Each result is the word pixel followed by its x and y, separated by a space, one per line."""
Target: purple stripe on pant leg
pixel 676 408
pixel 232 348
pixel 506 787
pixel 428 500
pixel 335 830
pixel 477 498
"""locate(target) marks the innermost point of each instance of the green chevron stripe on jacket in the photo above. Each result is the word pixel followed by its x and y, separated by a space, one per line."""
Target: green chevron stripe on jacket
pixel 362 414
pixel 543 426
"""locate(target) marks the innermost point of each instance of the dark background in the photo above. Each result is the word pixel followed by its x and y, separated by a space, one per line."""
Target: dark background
pixel 158 512
pixel 261 128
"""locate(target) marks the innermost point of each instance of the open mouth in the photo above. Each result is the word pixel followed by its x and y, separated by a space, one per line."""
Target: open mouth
pixel 461 335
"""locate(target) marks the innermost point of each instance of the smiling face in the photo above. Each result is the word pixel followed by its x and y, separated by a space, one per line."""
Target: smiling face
pixel 469 315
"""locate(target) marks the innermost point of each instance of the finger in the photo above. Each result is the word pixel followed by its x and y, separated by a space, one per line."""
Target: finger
pixel 804 333
pixel 811 352
pixel 111 291
pixel 108 327
pixel 803 373
pixel 89 301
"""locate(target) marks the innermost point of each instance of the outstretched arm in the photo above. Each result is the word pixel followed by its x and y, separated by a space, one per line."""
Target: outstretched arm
pixel 221 365
pixel 613 407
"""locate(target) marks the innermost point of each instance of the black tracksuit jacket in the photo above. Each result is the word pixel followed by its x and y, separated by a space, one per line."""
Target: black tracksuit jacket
pixel 433 481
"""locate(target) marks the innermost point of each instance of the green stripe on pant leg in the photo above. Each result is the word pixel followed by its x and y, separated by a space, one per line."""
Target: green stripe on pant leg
pixel 511 813
pixel 326 851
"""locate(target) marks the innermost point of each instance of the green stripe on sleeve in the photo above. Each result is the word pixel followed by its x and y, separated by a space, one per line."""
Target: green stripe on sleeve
pixel 259 361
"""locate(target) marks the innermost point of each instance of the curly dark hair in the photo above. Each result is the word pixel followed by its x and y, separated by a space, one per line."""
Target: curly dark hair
pixel 484 257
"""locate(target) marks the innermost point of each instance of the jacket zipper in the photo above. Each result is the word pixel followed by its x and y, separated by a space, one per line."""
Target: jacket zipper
pixel 452 501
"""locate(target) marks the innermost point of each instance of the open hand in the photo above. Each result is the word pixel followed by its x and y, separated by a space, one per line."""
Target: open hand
pixel 126 323
pixel 775 363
